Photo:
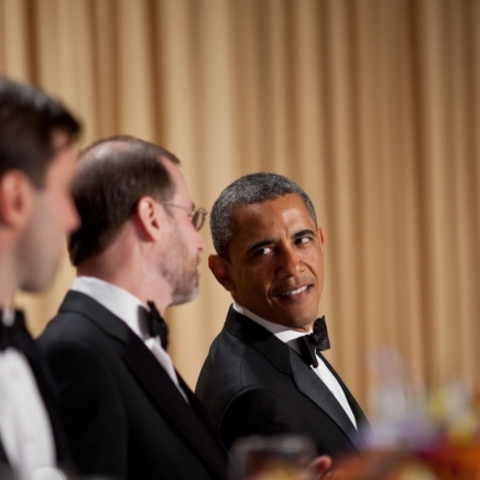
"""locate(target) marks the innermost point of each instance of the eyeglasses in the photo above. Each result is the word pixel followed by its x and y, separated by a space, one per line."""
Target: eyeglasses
pixel 197 215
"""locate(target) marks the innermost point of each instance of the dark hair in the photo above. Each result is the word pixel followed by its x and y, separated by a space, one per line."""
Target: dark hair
pixel 28 117
pixel 249 189
pixel 114 174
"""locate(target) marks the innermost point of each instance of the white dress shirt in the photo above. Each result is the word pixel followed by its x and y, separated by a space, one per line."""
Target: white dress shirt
pixel 130 310
pixel 289 337
pixel 25 428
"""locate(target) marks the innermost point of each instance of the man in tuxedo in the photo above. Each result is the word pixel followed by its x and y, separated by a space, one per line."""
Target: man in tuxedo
pixel 264 373
pixel 37 164
pixel 128 412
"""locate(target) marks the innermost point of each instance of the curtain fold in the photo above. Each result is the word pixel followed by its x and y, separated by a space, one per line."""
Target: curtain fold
pixel 373 106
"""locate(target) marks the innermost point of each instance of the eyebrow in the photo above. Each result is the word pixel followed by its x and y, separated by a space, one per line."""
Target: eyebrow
pixel 302 233
pixel 260 244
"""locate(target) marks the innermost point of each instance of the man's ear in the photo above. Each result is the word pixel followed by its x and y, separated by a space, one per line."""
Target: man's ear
pixel 221 270
pixel 321 239
pixel 16 199
pixel 148 218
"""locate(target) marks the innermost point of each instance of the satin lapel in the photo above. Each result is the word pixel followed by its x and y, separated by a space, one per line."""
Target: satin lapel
pixel 362 422
pixel 200 411
pixel 154 379
pixel 168 399
pixel 5 469
pixel 286 360
pixel 3 455
pixel 310 385
pixel 204 416
pixel 24 342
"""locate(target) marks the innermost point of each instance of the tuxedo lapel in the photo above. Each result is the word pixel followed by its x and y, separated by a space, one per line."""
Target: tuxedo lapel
pixel 201 412
pixel 155 381
pixel 310 385
pixel 6 472
pixel 168 399
pixel 286 360
pixel 3 456
pixel 22 340
pixel 362 422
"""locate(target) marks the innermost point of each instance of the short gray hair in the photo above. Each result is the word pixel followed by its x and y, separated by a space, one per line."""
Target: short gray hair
pixel 247 190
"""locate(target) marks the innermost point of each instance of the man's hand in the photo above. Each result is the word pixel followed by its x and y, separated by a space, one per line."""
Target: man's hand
pixel 320 467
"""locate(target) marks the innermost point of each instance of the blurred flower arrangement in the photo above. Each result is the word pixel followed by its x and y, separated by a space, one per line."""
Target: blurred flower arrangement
pixel 423 436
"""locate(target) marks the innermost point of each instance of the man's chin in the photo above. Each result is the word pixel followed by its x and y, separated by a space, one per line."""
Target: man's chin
pixel 39 283
pixel 297 319
pixel 183 296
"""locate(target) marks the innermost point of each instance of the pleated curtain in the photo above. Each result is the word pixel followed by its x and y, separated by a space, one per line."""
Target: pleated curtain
pixel 373 106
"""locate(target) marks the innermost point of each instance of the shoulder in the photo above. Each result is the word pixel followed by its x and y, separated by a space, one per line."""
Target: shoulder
pixel 240 359
pixel 228 359
pixel 82 320
pixel 222 365
pixel 75 347
pixel 68 347
pixel 234 370
pixel 85 365
pixel 70 329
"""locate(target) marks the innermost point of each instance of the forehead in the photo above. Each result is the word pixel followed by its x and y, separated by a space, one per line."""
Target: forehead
pixel 283 215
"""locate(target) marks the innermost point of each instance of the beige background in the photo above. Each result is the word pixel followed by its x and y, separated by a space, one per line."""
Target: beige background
pixel 373 106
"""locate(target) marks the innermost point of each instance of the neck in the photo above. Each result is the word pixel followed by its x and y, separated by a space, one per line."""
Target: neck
pixel 8 276
pixel 138 286
pixel 134 273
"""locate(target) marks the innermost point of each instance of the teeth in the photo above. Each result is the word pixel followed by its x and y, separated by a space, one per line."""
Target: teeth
pixel 294 292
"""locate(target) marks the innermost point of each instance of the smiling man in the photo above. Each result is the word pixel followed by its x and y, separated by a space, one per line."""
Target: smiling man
pixel 264 373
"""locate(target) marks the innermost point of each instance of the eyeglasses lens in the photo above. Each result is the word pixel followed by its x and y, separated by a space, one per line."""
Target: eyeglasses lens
pixel 198 218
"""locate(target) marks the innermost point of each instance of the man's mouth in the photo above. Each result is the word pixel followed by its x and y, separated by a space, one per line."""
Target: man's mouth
pixel 294 292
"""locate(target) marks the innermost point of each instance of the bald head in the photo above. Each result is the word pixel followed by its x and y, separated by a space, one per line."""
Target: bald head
pixel 114 174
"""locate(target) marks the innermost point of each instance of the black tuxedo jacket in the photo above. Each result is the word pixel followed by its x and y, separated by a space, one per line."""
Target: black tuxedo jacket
pixel 20 339
pixel 123 414
pixel 253 383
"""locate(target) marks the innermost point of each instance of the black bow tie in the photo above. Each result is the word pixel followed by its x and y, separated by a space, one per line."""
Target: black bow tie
pixel 10 334
pixel 157 325
pixel 318 340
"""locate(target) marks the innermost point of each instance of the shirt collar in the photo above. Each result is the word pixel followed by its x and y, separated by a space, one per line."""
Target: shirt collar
pixel 121 303
pixel 285 334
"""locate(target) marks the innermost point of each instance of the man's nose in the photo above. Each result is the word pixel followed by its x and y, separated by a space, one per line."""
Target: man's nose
pixel 289 263
pixel 200 243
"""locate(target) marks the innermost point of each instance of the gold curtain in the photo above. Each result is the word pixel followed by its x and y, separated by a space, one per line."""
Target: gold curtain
pixel 373 106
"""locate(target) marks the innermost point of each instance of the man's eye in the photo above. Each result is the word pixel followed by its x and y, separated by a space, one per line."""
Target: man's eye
pixel 263 251
pixel 302 240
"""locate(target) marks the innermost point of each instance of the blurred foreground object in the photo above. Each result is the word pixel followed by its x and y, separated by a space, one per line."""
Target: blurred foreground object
pixel 37 166
pixel 433 436
pixel 284 457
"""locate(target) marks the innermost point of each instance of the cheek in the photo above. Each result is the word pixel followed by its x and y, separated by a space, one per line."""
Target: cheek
pixel 62 208
pixel 315 263
pixel 57 212
pixel 251 282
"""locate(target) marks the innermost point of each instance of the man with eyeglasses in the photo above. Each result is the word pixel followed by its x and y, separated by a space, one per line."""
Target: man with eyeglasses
pixel 127 411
